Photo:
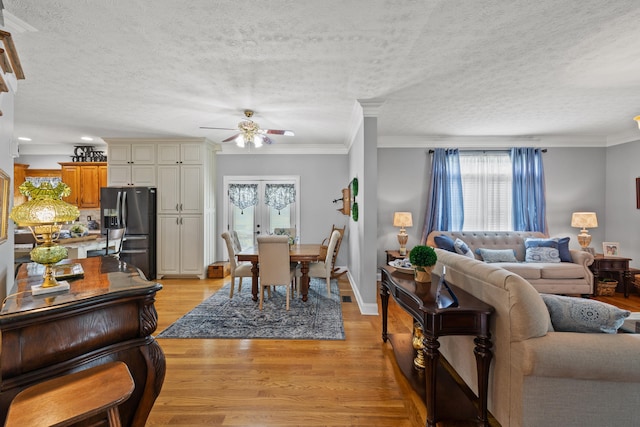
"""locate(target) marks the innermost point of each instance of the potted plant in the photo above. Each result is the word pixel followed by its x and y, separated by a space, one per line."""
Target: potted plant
pixel 423 258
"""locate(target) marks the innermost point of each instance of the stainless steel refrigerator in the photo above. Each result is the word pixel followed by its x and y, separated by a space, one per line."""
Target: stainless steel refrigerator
pixel 133 208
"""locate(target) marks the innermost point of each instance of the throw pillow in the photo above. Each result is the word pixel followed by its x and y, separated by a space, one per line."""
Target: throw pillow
pixel 563 249
pixel 570 314
pixel 445 242
pixel 462 248
pixel 497 255
pixel 541 250
pixel 542 254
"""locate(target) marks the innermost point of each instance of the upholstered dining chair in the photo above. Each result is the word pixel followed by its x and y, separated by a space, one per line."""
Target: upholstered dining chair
pixel 237 269
pixel 236 241
pixel 273 258
pixel 324 268
pixel 115 236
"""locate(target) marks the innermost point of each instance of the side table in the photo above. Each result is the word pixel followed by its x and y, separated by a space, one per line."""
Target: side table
pixel 608 266
pixel 471 317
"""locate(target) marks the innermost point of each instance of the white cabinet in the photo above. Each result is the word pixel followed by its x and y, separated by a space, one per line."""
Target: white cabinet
pixel 188 154
pixel 183 170
pixel 180 245
pixel 131 164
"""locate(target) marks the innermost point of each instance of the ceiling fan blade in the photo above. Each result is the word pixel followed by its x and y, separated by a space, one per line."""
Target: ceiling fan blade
pixel 266 139
pixel 231 138
pixel 206 127
pixel 278 132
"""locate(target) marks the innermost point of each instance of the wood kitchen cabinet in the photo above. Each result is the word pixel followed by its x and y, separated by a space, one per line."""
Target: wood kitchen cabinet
pixel 85 180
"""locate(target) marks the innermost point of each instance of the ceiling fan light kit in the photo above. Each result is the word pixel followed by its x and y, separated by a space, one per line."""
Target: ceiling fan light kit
pixel 251 133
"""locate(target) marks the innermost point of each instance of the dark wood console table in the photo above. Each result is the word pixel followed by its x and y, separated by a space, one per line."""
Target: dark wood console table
pixel 471 317
pixel 107 315
pixel 607 266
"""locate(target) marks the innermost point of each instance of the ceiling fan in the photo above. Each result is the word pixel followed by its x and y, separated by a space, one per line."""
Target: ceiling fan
pixel 251 132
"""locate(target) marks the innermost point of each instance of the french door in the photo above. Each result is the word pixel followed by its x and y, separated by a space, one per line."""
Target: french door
pixel 258 205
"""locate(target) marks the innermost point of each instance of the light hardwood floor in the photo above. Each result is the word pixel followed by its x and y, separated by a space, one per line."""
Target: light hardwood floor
pixel 219 382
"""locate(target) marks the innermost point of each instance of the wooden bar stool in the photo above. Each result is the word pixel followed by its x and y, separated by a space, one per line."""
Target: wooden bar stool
pixel 74 397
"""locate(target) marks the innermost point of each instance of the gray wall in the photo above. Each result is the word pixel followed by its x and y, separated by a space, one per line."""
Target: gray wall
pixel 622 217
pixel 575 181
pixel 322 178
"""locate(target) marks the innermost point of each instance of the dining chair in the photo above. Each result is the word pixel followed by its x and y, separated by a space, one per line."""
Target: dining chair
pixel 237 269
pixel 115 236
pixel 75 397
pixel 335 273
pixel 324 268
pixel 236 241
pixel 275 269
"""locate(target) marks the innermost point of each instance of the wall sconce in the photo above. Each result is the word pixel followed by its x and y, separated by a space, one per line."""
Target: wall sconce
pixel 44 214
pixel 637 119
pixel 402 220
pixel 584 220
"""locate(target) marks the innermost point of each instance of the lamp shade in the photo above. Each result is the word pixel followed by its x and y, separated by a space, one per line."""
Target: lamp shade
pixel 584 220
pixel 46 206
pixel 402 219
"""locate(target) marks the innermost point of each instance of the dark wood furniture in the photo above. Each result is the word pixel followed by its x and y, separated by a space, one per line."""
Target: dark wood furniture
pixel 107 315
pixel 102 387
pixel 471 317
pixel 394 255
pixel 612 267
pixel 304 254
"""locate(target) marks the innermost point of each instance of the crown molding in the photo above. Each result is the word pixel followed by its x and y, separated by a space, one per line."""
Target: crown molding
pixel 489 141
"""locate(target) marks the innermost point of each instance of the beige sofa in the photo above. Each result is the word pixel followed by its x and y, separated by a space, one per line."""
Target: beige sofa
pixel 552 278
pixel 539 377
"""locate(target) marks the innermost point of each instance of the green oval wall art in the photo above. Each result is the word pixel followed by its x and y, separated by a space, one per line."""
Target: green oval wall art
pixel 354 211
pixel 354 187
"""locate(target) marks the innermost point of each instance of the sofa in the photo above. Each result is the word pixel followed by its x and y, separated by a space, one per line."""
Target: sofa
pixel 538 376
pixel 570 278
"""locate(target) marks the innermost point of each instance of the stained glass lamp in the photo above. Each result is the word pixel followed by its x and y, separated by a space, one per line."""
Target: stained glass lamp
pixel 44 214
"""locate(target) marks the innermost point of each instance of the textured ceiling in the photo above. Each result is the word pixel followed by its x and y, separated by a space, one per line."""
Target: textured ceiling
pixel 555 70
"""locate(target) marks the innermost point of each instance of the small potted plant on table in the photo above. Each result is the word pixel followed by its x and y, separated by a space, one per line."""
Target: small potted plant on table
pixel 423 258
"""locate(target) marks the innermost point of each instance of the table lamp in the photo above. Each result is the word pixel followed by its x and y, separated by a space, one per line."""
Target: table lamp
pixel 44 214
pixel 584 220
pixel 402 220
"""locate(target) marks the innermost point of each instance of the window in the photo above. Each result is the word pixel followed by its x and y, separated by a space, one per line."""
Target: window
pixel 486 190
pixel 258 205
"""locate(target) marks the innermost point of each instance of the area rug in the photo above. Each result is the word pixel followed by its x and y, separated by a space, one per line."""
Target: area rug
pixel 320 318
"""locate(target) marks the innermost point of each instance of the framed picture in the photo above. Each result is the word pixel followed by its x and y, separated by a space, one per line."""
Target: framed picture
pixel 611 248
pixel 4 205
pixel 637 193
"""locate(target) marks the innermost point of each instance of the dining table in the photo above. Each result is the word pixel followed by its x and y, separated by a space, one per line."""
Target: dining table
pixel 299 253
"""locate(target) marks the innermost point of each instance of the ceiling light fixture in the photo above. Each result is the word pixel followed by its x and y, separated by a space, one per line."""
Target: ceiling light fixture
pixel 24 138
pixel 86 138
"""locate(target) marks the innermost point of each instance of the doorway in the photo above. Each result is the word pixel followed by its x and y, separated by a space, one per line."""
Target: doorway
pixel 258 205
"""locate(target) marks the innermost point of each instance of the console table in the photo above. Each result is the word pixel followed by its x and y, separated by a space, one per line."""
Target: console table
pixel 471 317
pixel 607 266
pixel 107 315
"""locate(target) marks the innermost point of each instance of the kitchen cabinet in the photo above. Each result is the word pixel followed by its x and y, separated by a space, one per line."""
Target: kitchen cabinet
pixel 84 179
pixel 19 175
pixel 180 245
pixel 131 164
pixel 184 175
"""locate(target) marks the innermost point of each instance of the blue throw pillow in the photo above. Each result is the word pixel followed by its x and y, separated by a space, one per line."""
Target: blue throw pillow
pixel 570 314
pixel 444 242
pixel 497 255
pixel 563 249
pixel 462 248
